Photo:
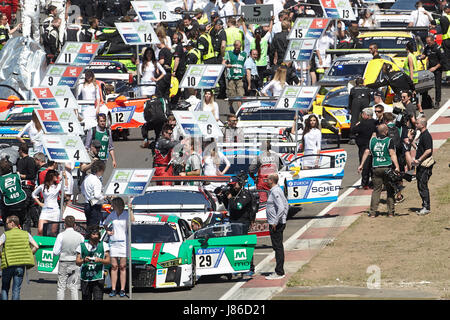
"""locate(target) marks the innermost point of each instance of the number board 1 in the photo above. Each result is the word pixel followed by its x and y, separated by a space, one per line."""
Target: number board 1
pixel 202 76
pixel 300 49
pixel 260 14
pixel 61 75
pixel 338 9
pixel 137 33
pixel 308 28
pixel 55 97
pixel 129 182
pixel 297 97
pixel 153 11
pixel 62 121
pixel 77 53
pixel 65 148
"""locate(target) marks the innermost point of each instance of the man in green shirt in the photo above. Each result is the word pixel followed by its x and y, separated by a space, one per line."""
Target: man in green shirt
pixel 92 256
pixel 383 154
pixel 234 62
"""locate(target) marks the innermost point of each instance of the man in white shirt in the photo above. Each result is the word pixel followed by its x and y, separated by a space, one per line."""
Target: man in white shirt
pixel 420 18
pixel 91 189
pixel 65 247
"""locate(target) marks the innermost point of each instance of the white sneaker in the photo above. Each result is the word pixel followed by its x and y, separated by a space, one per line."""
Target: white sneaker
pixel 423 212
pixel 275 276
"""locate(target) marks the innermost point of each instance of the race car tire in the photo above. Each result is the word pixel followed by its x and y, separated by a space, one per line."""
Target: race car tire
pixel 115 135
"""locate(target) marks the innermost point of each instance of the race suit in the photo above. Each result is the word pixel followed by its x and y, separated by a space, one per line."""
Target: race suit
pixel 61 13
pixel 30 18
pixel 163 155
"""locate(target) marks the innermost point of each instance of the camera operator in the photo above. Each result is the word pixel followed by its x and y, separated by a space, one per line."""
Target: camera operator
pixel 383 154
pixel 424 163
pixel 163 154
pixel 239 202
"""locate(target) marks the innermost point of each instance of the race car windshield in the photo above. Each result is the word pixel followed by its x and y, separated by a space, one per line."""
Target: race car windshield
pixel 175 197
pixel 386 42
pixel 266 115
pixel 153 233
pixel 347 68
pixel 339 99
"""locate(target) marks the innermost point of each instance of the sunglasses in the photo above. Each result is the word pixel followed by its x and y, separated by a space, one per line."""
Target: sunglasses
pixel 378 111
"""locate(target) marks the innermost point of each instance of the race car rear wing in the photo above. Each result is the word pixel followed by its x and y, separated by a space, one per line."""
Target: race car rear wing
pixel 350 51
pixel 410 29
pixel 190 179
pixel 170 207
pixel 245 99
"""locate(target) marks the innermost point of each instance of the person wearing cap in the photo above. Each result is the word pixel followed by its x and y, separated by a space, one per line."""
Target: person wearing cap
pixel 205 46
pixel 378 100
pixel 201 17
pixel 234 62
pixel 194 56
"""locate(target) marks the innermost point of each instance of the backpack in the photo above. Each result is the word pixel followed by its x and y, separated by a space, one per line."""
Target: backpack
pixel 393 133
pixel 154 111
pixel 427 102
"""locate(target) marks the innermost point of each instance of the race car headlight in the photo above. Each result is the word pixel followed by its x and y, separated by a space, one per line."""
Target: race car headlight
pixel 171 263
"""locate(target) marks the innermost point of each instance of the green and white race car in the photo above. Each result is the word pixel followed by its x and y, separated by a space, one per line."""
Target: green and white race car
pixel 165 253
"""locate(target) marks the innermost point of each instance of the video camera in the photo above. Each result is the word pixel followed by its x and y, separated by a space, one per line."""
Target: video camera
pixel 395 178
pixel 223 191
pixel 401 119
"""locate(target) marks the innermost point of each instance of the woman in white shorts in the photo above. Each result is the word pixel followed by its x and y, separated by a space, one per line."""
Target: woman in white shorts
pixel 50 208
pixel 118 219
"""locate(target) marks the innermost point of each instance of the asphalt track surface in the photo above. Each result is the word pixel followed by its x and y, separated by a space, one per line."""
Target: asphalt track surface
pixel 130 155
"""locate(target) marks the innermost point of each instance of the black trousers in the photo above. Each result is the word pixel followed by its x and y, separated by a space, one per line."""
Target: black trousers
pixel 276 236
pixel 151 126
pixel 92 290
pixel 93 214
pixel 367 167
pixel 423 176
pixel 437 85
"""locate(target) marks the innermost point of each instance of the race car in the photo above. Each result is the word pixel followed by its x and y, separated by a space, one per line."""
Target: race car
pixel 399 14
pixel 114 73
pixel 165 253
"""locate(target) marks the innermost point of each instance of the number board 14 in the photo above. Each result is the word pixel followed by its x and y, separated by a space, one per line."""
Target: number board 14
pixel 137 33
pixel 129 182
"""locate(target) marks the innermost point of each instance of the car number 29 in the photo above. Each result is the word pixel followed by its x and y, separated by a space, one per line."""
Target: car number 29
pixel 204 261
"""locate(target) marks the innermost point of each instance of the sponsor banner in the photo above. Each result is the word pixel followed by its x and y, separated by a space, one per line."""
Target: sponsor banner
pixel 55 97
pixel 308 28
pixel 317 190
pixel 198 123
pixel 63 121
pixel 65 148
pixel 300 49
pixel 122 114
pixel 137 33
pixel 61 75
pixel 260 14
pixel 338 9
pixel 129 182
pixel 153 11
pixel 78 53
pixel 209 257
pixel 202 76
pixel 297 97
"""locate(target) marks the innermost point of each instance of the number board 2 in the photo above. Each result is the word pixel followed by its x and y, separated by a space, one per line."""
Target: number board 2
pixel 153 11
pixel 61 75
pixel 137 33
pixel 208 257
pixel 129 182
pixel 62 121
pixel 55 97
pixel 300 49
pixel 65 148
pixel 308 28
